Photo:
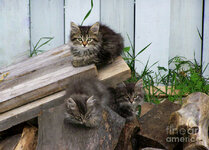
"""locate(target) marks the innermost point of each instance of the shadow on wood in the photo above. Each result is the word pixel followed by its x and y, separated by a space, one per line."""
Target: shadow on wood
pixel 56 134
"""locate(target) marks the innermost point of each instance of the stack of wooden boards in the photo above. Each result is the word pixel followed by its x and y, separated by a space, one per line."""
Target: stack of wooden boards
pixel 34 88
pixel 39 82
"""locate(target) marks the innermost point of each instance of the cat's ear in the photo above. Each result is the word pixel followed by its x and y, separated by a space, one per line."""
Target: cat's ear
pixel 121 85
pixel 74 28
pixel 91 101
pixel 139 84
pixel 95 28
pixel 70 104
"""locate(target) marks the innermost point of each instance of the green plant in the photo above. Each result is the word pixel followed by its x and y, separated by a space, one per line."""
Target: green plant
pixel 130 57
pixel 88 13
pixel 36 48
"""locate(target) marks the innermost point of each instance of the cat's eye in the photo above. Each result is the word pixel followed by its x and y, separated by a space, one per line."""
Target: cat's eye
pixel 79 39
pixel 89 39
pixel 136 96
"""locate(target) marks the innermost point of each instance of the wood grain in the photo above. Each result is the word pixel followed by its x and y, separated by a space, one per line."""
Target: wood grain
pixel 72 137
pixel 112 74
pixel 28 140
pixel 38 77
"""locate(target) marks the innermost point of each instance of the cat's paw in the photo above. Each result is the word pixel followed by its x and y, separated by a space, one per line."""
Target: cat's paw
pixel 76 63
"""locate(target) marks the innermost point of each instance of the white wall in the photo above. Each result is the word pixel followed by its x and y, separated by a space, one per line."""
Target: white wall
pixel 152 25
pixel 47 20
pixel 206 38
pixel 186 17
pixel 14 31
pixel 119 15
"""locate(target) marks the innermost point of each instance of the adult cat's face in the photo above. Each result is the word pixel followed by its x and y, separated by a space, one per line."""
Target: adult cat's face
pixel 82 110
pixel 84 36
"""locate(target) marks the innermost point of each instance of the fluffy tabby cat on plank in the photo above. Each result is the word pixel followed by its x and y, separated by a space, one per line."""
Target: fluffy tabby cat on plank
pixel 84 101
pixel 94 44
pixel 126 99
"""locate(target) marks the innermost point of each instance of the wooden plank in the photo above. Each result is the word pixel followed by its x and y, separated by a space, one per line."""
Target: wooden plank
pixel 33 64
pixel 184 38
pixel 76 10
pixel 206 39
pixel 152 26
pixel 47 20
pixel 14 31
pixel 120 17
pixel 31 110
pixel 36 88
pixel 114 73
pixel 73 137
pixel 28 140
pixel 10 142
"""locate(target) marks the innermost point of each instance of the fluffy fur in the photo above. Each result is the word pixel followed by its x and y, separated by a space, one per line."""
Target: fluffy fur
pixel 127 97
pixel 84 101
pixel 94 44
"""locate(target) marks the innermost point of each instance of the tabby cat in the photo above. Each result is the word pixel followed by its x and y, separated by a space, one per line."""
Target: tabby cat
pixel 127 97
pixel 94 44
pixel 84 100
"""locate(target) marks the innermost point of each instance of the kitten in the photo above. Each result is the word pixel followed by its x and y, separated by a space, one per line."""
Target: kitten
pixel 127 97
pixel 84 101
pixel 94 44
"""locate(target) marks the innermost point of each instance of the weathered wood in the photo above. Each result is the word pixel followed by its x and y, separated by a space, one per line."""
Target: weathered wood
pixel 114 73
pixel 28 140
pixel 146 107
pixel 32 109
pixel 41 86
pixel 70 137
pixel 10 142
pixel 154 125
pixel 39 77
pixel 127 139
pixel 29 111
pixel 192 122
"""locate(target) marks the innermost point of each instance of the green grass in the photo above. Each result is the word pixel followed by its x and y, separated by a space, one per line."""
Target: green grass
pixel 183 75
pixel 41 42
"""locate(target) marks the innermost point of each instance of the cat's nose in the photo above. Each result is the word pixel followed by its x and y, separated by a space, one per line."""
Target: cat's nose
pixel 84 43
pixel 131 100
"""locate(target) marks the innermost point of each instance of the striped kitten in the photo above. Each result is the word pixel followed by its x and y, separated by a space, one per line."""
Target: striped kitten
pixel 127 97
pixel 84 102
pixel 94 44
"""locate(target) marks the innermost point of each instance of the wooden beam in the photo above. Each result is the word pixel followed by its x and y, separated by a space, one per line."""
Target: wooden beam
pixel 39 87
pixel 31 110
pixel 38 77
pixel 114 73
pixel 28 140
